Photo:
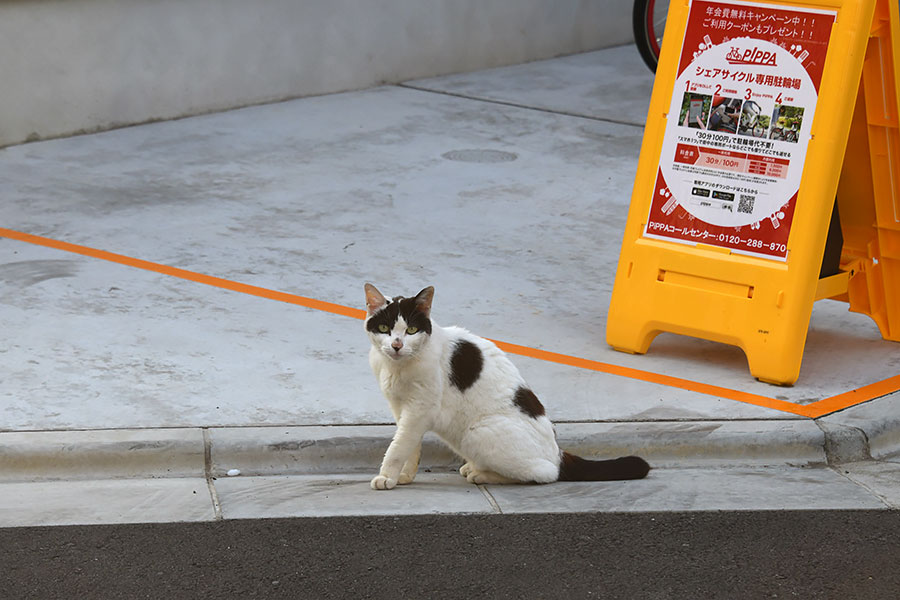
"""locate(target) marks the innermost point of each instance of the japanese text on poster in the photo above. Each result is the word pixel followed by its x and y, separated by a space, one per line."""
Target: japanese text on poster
pixel 738 126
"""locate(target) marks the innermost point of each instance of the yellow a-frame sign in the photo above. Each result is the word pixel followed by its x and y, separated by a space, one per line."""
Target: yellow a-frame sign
pixel 773 128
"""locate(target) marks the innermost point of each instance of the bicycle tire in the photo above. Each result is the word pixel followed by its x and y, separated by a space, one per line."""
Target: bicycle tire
pixel 645 37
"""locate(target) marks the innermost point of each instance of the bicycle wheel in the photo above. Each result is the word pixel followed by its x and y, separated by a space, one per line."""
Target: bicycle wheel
pixel 648 18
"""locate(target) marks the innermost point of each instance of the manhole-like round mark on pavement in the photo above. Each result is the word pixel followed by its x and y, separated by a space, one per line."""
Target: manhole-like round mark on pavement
pixel 480 156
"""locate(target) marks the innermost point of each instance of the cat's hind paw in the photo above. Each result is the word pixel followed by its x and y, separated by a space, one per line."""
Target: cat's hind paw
pixel 380 482
pixel 466 469
pixel 486 477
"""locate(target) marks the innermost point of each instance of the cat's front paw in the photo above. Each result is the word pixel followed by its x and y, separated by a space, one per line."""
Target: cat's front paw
pixel 466 469
pixel 405 478
pixel 380 482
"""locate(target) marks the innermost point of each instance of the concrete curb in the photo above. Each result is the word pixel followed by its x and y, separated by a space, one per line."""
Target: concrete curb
pixel 875 424
pixel 101 454
pixel 213 452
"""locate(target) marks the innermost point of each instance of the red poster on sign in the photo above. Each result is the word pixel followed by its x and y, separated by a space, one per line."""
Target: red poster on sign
pixel 738 126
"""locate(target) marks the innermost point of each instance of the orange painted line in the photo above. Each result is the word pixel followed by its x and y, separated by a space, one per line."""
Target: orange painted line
pixel 813 410
pixel 826 406
pixel 218 282
pixel 676 382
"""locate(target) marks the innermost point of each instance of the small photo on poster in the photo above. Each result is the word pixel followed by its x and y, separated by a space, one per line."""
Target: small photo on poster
pixel 786 122
pixel 725 114
pixel 695 110
pixel 753 122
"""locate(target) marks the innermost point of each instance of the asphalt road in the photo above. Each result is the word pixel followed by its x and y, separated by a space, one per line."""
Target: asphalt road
pixel 837 554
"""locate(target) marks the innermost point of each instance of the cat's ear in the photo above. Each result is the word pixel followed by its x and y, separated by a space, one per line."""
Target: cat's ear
pixel 423 300
pixel 374 300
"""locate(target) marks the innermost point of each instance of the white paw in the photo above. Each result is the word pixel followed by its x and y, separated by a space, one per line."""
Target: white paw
pixel 405 479
pixel 466 469
pixel 486 477
pixel 380 482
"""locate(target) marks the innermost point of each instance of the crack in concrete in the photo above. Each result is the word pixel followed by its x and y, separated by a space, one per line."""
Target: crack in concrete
pixel 210 480
pixel 564 113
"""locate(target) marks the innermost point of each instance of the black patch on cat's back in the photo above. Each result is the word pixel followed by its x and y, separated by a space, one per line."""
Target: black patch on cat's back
pixel 528 403
pixel 465 365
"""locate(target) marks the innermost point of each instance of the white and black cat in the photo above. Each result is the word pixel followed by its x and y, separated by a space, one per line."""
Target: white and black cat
pixel 464 389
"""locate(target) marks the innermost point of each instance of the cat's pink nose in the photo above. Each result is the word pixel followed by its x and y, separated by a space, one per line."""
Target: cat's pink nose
pixel 396 345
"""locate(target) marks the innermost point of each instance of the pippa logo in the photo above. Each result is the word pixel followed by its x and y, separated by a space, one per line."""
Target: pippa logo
pixel 751 56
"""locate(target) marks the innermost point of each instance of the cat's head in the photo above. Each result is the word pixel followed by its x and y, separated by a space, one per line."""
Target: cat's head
pixel 399 328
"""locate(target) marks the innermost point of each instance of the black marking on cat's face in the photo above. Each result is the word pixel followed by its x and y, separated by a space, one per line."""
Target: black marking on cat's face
pixel 465 365
pixel 528 403
pixel 400 307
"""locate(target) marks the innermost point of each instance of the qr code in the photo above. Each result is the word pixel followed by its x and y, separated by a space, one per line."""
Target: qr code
pixel 745 205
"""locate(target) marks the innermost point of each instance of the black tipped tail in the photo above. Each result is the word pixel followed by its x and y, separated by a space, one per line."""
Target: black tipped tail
pixel 575 468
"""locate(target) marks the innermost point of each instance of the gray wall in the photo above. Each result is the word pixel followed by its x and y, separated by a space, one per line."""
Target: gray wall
pixel 74 66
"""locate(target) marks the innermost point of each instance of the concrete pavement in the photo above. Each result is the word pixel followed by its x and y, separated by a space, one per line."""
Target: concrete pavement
pixel 180 314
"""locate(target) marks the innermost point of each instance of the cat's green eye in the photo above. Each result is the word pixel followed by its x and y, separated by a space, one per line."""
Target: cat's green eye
pixel 411 330
pixel 383 328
